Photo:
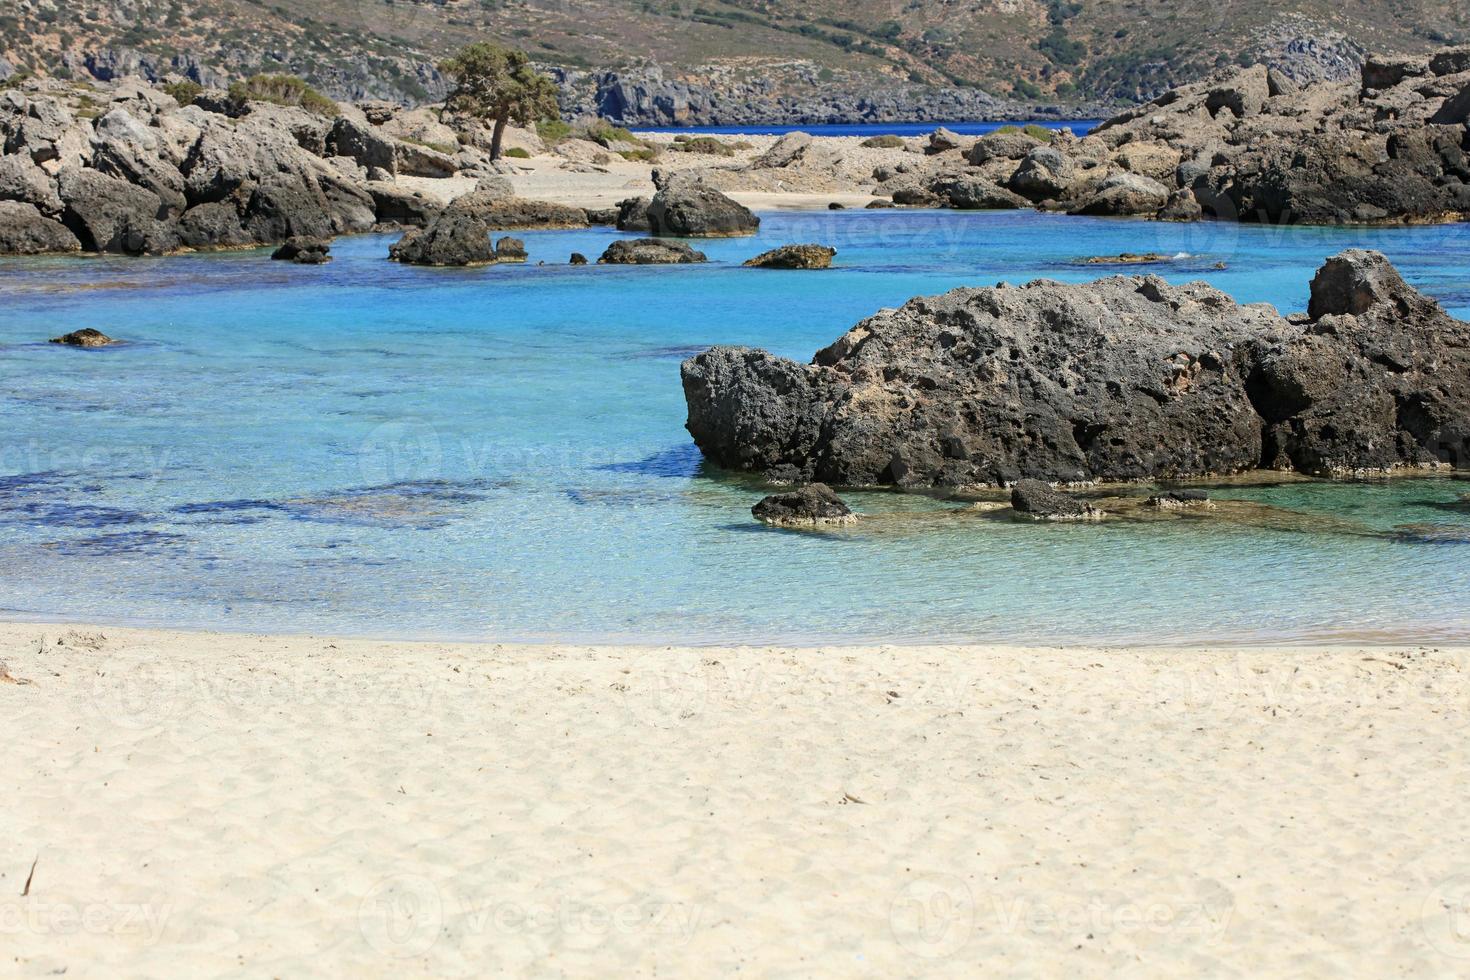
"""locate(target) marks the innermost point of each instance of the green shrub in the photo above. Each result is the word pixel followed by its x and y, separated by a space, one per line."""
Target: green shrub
pixel 518 152
pixel 185 92
pixel 645 154
pixel 282 90
pixel 553 130
pixel 443 148
pixel 887 142
pixel 704 144
pixel 1040 133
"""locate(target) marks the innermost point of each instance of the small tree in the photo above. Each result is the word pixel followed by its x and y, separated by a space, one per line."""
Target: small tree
pixel 499 85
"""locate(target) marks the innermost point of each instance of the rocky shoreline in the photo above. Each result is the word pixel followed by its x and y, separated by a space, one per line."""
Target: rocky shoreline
pixel 1127 379
pixel 126 168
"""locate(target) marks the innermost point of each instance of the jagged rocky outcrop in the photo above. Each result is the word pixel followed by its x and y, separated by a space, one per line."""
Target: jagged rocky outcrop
pixel 1252 144
pixel 123 168
pixel 794 257
pixel 1124 379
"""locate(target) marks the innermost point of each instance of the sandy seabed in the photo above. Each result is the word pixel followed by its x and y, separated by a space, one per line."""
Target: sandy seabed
pixel 194 804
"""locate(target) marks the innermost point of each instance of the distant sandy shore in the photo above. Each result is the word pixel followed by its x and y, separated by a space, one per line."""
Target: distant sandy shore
pixel 199 805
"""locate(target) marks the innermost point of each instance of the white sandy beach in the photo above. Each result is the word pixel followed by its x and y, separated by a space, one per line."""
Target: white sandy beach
pixel 200 804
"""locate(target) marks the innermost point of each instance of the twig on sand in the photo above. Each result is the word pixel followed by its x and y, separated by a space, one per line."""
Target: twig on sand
pixel 26 891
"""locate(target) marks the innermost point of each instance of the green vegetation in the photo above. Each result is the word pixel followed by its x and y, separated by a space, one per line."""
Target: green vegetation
pixel 498 85
pixel 285 90
pixel 553 130
pixel 703 144
pixel 185 92
pixel 887 142
pixel 517 153
pixel 1040 133
pixel 646 154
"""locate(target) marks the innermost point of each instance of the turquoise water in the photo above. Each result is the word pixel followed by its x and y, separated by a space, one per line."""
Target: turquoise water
pixel 375 449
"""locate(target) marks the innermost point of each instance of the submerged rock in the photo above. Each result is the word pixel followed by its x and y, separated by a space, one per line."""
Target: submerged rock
pixel 304 251
pixel 1124 379
pixel 794 257
pixel 1179 499
pixel 86 337
pixel 650 251
pixel 814 505
pixel 1041 502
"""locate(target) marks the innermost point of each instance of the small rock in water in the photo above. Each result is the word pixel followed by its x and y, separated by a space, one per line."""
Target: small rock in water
pixel 879 204
pixel 1127 258
pixel 1039 501
pixel 304 251
pixel 650 251
pixel 1177 499
pixel 578 258
pixel 510 249
pixel 794 257
pixel 836 206
pixel 86 337
pixel 814 505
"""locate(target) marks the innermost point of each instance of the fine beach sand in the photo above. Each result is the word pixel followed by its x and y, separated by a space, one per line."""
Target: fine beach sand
pixel 200 804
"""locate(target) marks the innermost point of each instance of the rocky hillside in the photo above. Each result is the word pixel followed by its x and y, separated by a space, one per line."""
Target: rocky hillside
pixel 651 61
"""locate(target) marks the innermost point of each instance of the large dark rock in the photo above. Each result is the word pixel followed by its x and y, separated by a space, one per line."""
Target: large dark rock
pixel 814 505
pixel 794 257
pixel 26 231
pixel 1124 379
pixel 685 207
pixel 215 224
pixel 458 237
pixel 649 251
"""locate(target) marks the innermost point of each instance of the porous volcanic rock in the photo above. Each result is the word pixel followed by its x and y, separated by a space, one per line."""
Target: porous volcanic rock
pixel 814 505
pixel 1039 501
pixel 794 257
pixel 649 251
pixel 686 207
pixel 1124 379
pixel 86 337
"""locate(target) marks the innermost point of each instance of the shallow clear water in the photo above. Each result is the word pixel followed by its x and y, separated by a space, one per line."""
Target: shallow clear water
pixel 377 449
pixel 1079 126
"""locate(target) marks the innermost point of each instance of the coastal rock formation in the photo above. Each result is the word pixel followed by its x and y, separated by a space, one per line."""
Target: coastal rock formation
pixel 1179 500
pixel 650 251
pixel 686 207
pixel 86 337
pixel 124 168
pixel 1124 379
pixel 1038 501
pixel 814 505
pixel 794 257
